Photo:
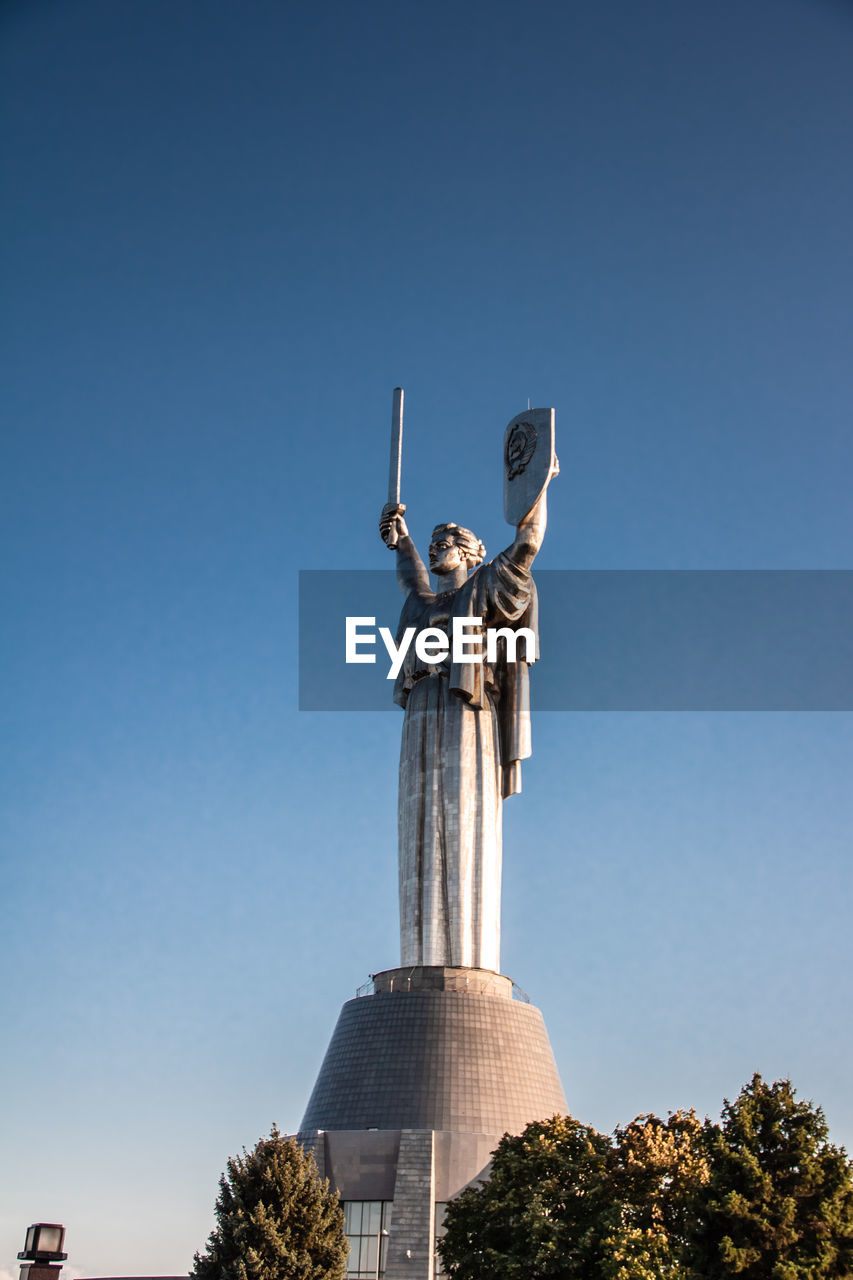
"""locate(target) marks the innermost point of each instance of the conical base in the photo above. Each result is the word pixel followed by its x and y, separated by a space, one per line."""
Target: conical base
pixel 436 1048
pixel 420 1081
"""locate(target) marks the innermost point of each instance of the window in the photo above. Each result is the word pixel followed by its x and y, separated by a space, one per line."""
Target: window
pixel 366 1224
pixel 440 1209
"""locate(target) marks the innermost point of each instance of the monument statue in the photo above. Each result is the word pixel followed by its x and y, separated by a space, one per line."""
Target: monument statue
pixel 433 1061
pixel 467 724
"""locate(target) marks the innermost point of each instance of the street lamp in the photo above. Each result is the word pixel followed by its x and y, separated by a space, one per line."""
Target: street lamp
pixel 42 1251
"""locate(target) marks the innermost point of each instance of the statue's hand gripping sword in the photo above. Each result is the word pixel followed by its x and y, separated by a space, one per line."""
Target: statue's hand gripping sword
pixel 396 461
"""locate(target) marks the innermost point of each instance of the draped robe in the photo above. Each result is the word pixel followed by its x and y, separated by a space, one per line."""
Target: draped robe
pixel 466 731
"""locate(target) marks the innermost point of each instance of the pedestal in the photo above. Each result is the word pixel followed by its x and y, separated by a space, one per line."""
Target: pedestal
pixel 421 1079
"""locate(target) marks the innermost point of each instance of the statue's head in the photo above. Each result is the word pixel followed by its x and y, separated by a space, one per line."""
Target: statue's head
pixel 452 546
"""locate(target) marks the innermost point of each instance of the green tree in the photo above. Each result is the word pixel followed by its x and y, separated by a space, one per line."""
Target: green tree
pixel 658 1168
pixel 563 1201
pixel 763 1196
pixel 544 1211
pixel 779 1201
pixel 275 1219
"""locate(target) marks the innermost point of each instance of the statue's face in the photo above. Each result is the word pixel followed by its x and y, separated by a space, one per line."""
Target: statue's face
pixel 445 556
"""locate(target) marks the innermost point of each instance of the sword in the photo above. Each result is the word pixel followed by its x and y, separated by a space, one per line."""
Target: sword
pixel 396 457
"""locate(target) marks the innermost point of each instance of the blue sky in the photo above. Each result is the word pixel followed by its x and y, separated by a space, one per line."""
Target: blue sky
pixel 229 230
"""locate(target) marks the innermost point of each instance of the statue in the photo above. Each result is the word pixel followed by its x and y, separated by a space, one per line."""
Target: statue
pixel 467 725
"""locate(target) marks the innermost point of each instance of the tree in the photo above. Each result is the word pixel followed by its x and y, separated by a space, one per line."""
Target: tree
pixel 563 1201
pixel 763 1195
pixel 658 1169
pixel 275 1219
pixel 542 1213
pixel 779 1201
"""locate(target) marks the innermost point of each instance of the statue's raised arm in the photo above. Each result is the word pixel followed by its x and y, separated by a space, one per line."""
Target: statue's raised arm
pixel 530 532
pixel 411 570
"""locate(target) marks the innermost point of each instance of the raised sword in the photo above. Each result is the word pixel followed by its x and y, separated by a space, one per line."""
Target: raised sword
pixel 396 458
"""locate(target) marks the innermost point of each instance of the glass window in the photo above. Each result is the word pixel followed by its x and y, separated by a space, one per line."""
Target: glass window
pixel 366 1223
pixel 352 1218
pixel 370 1254
pixel 440 1210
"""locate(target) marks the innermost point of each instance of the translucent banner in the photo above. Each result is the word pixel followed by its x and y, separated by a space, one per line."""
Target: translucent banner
pixel 611 640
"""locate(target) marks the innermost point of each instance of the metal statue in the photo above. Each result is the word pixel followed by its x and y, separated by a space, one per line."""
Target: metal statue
pixel 467 724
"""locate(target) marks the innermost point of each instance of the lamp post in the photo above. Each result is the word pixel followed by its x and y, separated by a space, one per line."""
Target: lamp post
pixel 42 1251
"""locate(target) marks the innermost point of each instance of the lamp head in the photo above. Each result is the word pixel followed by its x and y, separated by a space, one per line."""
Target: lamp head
pixel 44 1243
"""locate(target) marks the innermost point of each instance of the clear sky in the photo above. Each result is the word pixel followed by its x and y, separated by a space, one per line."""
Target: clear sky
pixel 228 230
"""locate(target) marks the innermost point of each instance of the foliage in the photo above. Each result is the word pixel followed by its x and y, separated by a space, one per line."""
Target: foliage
pixel 544 1211
pixel 565 1201
pixel 779 1204
pixel 275 1219
pixel 763 1195
pixel 658 1170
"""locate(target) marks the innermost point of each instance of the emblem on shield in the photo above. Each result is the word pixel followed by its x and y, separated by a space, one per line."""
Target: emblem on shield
pixel 520 448
pixel 528 461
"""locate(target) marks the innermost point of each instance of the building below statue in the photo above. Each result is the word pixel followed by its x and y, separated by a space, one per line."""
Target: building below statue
pixel 421 1079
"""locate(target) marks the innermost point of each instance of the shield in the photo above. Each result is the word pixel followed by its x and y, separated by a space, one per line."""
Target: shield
pixel 528 461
